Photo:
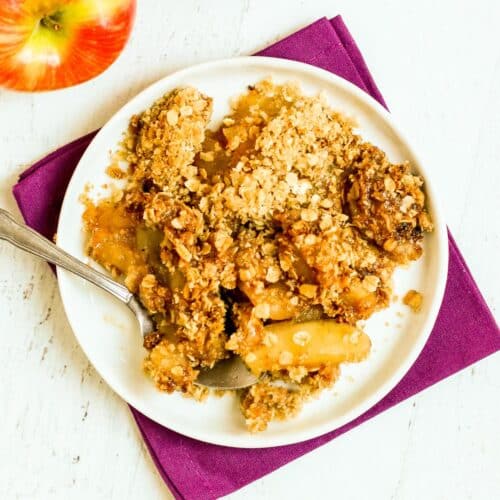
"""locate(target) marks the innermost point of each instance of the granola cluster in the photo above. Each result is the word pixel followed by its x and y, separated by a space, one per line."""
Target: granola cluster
pixel 283 214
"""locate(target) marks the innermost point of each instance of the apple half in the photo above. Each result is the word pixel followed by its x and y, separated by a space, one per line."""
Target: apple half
pixel 51 44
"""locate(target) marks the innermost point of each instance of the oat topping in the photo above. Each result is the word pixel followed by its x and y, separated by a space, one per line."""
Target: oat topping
pixel 413 300
pixel 386 203
pixel 269 238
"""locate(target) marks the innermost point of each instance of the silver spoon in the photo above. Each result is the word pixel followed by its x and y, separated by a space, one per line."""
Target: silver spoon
pixel 231 373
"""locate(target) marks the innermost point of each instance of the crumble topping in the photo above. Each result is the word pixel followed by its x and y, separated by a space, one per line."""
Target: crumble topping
pixel 269 238
pixel 413 300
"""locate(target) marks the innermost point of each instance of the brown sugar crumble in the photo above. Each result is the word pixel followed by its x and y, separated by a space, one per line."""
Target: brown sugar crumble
pixel 270 238
pixel 413 300
pixel 115 172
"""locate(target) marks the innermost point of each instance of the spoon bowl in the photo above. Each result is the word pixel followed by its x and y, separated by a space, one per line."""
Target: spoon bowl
pixel 228 374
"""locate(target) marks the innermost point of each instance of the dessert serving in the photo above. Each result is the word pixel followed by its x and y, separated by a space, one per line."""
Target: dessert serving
pixel 271 238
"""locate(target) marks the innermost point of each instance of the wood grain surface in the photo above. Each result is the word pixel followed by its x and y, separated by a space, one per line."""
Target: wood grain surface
pixel 64 434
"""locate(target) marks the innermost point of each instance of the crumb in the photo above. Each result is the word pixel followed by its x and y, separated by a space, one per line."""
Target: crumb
pixel 115 172
pixel 413 300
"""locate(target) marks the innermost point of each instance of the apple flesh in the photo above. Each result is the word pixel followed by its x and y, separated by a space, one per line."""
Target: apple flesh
pixel 50 44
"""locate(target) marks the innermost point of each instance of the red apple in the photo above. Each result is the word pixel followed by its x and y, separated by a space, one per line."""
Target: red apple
pixel 50 44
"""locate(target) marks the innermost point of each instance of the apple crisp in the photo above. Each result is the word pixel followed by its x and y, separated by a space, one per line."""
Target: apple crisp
pixel 268 238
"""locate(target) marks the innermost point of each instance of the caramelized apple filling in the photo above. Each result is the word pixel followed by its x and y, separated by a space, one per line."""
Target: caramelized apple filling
pixel 311 345
pixel 268 238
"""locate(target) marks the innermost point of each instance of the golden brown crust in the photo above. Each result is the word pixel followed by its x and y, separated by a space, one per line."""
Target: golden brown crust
pixel 281 396
pixel 385 201
pixel 413 300
pixel 166 138
pixel 283 213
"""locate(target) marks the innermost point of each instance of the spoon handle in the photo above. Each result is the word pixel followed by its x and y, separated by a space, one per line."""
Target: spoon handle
pixel 26 239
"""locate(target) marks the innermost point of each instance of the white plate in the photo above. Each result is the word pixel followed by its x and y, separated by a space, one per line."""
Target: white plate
pixel 108 334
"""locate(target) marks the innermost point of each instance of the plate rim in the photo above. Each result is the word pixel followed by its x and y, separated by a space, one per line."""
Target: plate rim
pixel 439 227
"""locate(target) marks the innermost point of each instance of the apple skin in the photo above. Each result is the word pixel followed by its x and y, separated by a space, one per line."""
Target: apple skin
pixel 51 44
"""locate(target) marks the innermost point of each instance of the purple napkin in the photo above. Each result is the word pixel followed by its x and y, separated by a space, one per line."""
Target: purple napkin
pixel 465 330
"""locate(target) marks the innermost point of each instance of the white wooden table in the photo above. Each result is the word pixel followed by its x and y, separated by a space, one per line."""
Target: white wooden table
pixel 64 434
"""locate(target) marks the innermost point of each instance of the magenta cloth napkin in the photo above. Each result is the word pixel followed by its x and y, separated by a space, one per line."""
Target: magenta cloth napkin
pixel 465 330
